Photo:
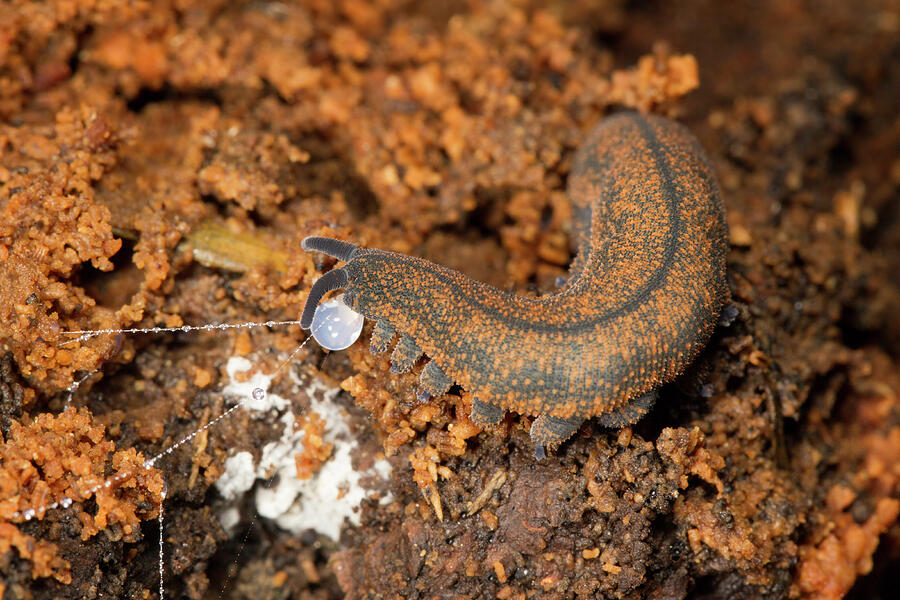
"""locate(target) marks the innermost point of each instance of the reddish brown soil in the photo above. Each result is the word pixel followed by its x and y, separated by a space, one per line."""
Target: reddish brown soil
pixel 159 163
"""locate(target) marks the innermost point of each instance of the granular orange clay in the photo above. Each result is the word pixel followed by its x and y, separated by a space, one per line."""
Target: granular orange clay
pixel 64 461
pixel 315 450
pixel 160 163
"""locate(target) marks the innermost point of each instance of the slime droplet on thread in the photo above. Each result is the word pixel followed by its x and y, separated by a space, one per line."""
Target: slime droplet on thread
pixel 335 325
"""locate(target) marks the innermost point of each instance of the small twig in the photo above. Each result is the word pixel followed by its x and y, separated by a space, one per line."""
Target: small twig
pixel 494 483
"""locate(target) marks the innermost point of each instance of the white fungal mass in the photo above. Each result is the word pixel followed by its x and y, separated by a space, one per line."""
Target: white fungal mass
pixel 335 325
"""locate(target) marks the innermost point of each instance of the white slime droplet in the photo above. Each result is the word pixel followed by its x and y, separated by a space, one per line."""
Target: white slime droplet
pixel 335 325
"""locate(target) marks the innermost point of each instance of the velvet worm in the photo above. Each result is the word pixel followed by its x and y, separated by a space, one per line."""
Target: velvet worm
pixel 642 298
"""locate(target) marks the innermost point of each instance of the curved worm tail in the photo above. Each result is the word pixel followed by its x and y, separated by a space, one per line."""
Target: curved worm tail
pixel 339 249
pixel 332 280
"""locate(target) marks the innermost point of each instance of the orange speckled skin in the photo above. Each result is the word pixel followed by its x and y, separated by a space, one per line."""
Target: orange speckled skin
pixel 643 297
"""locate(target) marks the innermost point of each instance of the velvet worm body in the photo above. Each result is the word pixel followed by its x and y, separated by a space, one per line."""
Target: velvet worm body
pixel 642 298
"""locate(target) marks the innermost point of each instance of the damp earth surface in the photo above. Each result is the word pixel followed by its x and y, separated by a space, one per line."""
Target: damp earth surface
pixel 160 164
